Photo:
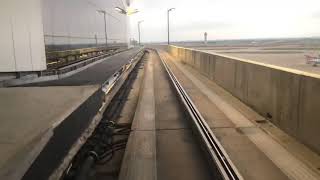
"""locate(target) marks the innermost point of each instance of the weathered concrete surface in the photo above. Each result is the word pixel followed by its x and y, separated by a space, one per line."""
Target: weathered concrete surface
pixel 29 117
pixel 288 98
pixel 179 155
pixel 139 162
pixel 285 89
pixel 309 113
pixel 259 89
pixel 258 153
pixel 161 144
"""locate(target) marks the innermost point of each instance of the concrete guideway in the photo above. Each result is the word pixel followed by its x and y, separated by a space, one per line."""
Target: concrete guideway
pixel 140 155
pixel 162 145
pixel 219 160
pixel 243 139
pixel 179 152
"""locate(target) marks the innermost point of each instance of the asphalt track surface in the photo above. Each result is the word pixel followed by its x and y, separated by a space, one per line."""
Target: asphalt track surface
pixel 96 74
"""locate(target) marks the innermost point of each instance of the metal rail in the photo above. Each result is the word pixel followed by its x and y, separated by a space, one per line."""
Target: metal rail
pixel 216 152
pixel 60 59
pixel 108 84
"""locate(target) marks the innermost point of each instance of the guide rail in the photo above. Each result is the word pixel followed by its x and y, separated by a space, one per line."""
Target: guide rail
pixel 213 148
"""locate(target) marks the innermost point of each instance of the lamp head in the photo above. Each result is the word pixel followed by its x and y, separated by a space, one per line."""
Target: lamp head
pixel 101 11
pixel 131 11
pixel 128 12
pixel 120 10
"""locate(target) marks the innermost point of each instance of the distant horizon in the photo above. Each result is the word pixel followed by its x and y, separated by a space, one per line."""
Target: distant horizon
pixel 244 39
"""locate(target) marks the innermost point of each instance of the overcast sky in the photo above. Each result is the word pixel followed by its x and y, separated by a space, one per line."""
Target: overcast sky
pixel 226 19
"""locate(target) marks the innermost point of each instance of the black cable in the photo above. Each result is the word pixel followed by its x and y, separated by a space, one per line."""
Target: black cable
pixel 109 155
pixel 85 168
pixel 103 159
pixel 123 130
pixel 123 125
pixel 115 145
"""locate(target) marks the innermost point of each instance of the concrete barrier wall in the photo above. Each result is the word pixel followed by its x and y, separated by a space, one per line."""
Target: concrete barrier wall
pixel 289 98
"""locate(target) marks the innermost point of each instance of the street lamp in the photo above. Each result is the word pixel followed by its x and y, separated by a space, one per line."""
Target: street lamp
pixel 126 12
pixel 168 13
pixel 139 22
pixel 105 24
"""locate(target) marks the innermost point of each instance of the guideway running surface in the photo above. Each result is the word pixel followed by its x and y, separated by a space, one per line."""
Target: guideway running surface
pixel 162 145
pixel 179 156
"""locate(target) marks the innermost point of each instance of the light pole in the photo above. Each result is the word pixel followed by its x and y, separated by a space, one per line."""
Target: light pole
pixel 139 22
pixel 168 16
pixel 105 24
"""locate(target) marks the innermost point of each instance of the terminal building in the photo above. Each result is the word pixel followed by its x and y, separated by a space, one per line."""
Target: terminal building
pixel 33 31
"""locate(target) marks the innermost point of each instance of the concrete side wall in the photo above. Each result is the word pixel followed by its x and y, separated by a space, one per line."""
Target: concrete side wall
pixel 289 99
pixel 21 34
